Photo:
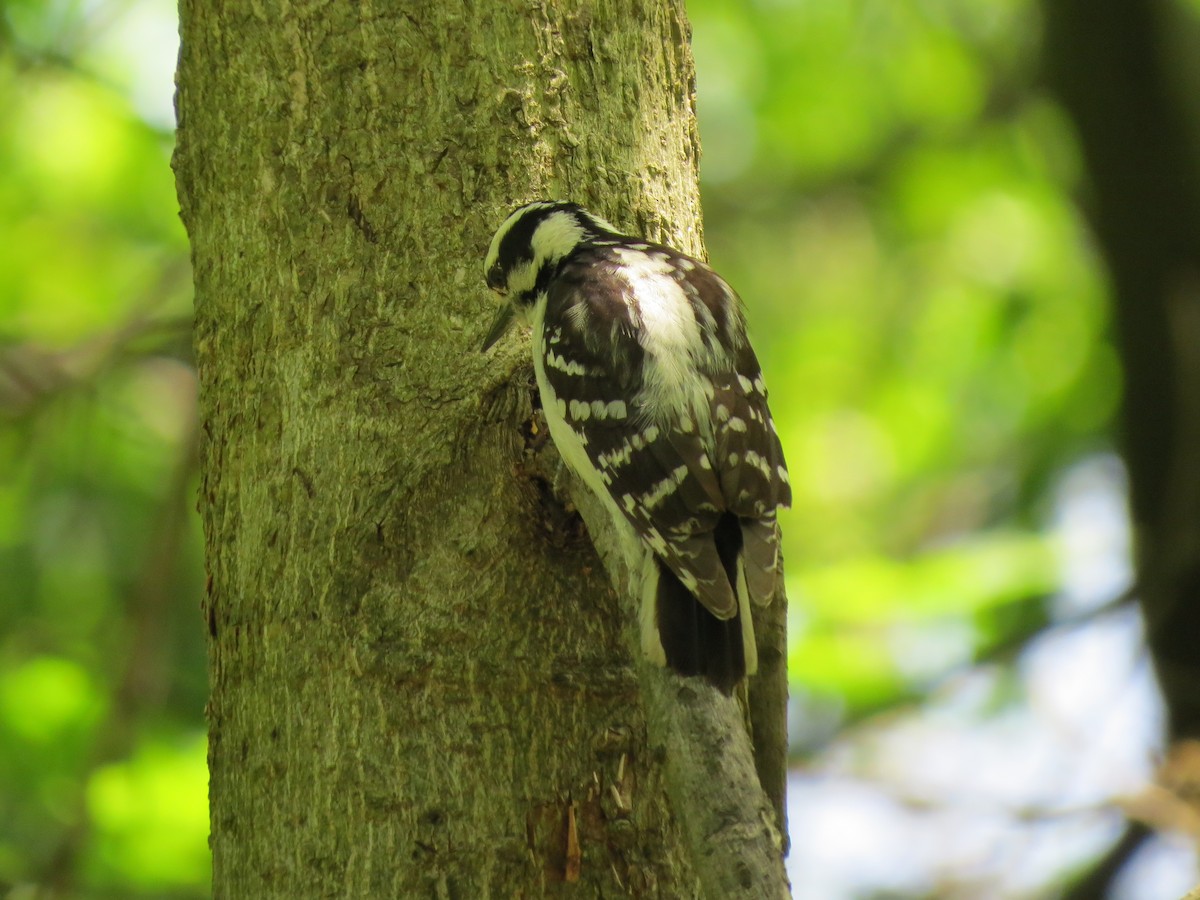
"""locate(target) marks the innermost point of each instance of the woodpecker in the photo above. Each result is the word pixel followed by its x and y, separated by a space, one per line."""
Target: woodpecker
pixel 656 401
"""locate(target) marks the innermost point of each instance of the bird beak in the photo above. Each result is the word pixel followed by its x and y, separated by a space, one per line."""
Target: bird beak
pixel 504 318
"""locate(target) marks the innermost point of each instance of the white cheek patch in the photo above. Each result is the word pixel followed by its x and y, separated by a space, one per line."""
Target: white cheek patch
pixel 521 279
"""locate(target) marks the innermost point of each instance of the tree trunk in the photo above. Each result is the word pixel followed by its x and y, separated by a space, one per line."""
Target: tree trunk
pixel 1126 72
pixel 422 684
pixel 1129 94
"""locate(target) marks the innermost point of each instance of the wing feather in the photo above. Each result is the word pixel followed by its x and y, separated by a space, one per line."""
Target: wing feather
pixel 673 476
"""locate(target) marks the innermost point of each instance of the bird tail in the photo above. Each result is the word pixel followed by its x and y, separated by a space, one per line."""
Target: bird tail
pixel 693 641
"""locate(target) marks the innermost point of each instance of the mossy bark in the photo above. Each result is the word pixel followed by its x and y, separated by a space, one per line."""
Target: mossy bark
pixel 421 678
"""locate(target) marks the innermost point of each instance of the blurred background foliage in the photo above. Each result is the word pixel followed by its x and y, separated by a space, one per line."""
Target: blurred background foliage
pixel 103 780
pixel 891 193
pixel 894 195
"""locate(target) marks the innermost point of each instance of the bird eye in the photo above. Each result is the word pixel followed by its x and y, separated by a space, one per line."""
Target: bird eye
pixel 496 280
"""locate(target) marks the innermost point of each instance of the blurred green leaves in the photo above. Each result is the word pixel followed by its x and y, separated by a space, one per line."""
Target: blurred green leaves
pixel 102 760
pixel 88 187
pixel 890 193
pixel 48 702
pixel 871 628
pixel 144 809
pixel 828 89
pixel 885 185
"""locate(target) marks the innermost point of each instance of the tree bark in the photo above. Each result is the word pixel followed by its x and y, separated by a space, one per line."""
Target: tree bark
pixel 422 682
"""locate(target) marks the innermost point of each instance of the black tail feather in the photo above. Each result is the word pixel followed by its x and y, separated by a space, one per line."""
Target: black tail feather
pixel 694 640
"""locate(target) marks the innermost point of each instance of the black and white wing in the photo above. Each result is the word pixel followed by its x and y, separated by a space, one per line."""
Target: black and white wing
pixel 674 476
